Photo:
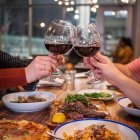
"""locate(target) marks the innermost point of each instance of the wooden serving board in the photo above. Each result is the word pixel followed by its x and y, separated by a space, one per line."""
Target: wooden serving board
pixel 54 109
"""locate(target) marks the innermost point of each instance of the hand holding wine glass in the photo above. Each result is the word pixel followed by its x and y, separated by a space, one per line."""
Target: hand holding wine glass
pixel 59 37
pixel 87 41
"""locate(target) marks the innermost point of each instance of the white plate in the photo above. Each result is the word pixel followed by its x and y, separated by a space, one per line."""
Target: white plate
pixel 125 132
pixel 28 107
pixel 112 93
pixel 123 102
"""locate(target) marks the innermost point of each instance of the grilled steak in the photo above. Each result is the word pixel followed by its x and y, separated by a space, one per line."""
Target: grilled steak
pixel 78 110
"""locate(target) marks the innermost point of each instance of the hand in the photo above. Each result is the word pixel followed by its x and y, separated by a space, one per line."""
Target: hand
pixel 40 67
pixel 102 67
pixel 60 58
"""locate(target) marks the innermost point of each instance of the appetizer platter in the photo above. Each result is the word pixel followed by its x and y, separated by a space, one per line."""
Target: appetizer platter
pixel 73 107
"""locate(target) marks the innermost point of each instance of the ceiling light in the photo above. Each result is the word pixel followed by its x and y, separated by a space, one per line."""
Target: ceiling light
pixel 42 24
pixel 96 6
pixel 93 9
pixel 69 9
pixel 125 1
pixel 94 1
pixel 72 2
pixel 76 17
pixel 60 3
pixel 77 11
pixel 66 3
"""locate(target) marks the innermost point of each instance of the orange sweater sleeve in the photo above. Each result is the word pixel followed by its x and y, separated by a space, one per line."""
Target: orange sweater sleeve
pixel 12 77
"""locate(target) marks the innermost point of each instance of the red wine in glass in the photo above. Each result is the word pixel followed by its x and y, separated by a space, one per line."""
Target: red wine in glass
pixel 59 48
pixel 87 51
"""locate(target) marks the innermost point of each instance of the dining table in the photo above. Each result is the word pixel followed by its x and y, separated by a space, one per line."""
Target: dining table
pixel 114 109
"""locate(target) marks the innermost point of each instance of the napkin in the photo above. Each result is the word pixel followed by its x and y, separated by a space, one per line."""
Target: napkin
pixel 56 82
pixel 80 75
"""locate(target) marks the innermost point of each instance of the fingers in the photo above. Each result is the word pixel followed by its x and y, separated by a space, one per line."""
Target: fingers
pixel 100 58
pixel 59 58
pixel 88 63
pixel 46 59
pixel 48 66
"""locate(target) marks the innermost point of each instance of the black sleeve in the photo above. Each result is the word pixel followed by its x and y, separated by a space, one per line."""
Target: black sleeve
pixel 9 61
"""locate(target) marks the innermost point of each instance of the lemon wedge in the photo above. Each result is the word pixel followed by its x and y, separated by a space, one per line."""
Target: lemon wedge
pixel 58 118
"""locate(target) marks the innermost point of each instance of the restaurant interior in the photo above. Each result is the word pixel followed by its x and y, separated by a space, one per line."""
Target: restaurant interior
pixel 71 102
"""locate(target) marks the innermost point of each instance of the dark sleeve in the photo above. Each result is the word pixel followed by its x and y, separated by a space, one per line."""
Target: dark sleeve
pixel 9 61
pixel 12 78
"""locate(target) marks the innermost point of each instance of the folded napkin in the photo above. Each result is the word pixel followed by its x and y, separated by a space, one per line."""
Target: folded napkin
pixel 80 75
pixel 55 82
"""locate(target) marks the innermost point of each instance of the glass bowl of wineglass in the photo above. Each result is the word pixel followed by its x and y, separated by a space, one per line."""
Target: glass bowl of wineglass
pixel 59 38
pixel 87 41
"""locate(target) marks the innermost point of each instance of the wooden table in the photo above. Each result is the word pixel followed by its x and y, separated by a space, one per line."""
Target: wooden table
pixel 114 109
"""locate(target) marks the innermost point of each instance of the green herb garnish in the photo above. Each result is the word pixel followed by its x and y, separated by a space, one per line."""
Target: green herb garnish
pixel 98 95
pixel 76 97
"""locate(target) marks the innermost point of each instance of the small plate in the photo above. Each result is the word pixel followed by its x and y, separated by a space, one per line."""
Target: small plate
pixel 123 102
pixel 126 132
pixel 112 93
pixel 28 107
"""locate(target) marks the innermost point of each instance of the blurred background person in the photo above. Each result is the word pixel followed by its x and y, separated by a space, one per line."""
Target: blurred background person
pixel 124 51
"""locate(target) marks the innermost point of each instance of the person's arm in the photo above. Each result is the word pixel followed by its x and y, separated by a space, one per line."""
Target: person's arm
pixel 131 69
pixel 12 77
pixel 40 67
pixel 107 70
pixel 124 69
pixel 130 87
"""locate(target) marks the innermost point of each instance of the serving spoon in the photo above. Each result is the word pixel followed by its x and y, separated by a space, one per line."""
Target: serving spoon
pixel 52 135
pixel 77 136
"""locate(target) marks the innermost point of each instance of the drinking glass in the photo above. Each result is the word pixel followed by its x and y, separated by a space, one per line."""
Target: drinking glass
pixel 59 38
pixel 87 41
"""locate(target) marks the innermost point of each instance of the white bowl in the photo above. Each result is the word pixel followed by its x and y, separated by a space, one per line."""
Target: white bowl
pixel 125 132
pixel 112 93
pixel 28 107
pixel 123 102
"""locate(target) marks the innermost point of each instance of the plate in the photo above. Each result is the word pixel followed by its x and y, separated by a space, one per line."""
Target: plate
pixel 112 93
pixel 100 106
pixel 126 132
pixel 28 107
pixel 123 102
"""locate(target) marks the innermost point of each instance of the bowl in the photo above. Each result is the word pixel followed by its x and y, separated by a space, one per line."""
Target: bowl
pixel 28 107
pixel 126 132
pixel 123 102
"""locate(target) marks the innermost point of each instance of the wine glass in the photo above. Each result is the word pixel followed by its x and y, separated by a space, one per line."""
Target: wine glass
pixel 59 38
pixel 87 42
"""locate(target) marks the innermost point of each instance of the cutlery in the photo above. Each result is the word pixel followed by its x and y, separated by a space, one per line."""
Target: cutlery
pixel 52 135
